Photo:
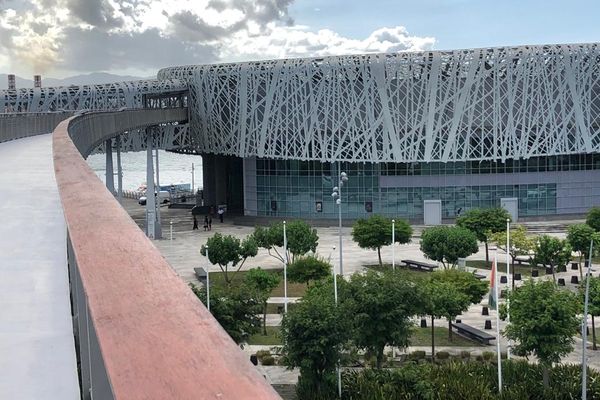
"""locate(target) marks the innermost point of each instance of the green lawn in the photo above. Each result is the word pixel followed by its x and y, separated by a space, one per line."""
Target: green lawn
pixel 420 337
pixel 272 338
pixel 294 289
pixel 410 274
pixel 519 269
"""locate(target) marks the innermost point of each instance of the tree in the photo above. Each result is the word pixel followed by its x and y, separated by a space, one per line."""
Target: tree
pixel 443 300
pixel 484 222
pixel 383 305
pixel 234 308
pixel 314 333
pixel 447 244
pixel 520 245
pixel 376 231
pixel 580 236
pixel 464 283
pixel 261 283
pixel 543 321
pixel 593 303
pixel 301 239
pixel 593 218
pixel 553 252
pixel 228 251
pixel 308 268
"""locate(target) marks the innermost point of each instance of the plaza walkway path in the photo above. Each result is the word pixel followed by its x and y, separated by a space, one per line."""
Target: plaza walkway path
pixel 37 353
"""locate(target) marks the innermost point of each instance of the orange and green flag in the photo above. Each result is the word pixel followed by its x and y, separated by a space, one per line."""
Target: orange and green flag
pixel 492 300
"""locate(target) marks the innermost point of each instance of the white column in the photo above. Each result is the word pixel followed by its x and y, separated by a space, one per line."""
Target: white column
pixel 150 199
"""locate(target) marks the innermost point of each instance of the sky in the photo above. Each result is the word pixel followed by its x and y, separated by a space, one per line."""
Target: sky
pixel 59 38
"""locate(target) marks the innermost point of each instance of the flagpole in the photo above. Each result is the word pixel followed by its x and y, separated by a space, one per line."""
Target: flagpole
pixel 393 245
pixel 285 263
pixel 495 272
pixel 509 281
pixel 584 326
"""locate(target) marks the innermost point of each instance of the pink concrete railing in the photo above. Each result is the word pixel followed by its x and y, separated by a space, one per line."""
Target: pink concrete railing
pixel 142 334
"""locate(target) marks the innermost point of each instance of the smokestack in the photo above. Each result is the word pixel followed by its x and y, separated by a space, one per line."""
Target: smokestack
pixel 37 81
pixel 12 82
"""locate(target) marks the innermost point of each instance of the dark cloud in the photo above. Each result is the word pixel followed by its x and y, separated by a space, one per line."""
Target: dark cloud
pixel 259 11
pixel 95 49
pixel 97 13
pixel 190 27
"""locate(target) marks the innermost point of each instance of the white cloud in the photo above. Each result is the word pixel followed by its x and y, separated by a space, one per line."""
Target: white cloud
pixel 60 36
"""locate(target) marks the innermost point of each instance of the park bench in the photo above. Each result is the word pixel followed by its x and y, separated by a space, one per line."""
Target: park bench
pixel 200 274
pixel 479 276
pixel 422 266
pixel 473 333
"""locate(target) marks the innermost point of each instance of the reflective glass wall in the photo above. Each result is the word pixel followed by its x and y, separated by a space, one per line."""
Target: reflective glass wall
pixel 303 188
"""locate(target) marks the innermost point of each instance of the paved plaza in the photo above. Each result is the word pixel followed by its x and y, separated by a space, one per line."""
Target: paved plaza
pixel 183 253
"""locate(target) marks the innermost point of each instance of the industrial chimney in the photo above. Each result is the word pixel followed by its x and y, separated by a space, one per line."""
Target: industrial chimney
pixel 37 81
pixel 12 82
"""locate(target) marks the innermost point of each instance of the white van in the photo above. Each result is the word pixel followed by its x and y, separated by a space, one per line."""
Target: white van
pixel 163 197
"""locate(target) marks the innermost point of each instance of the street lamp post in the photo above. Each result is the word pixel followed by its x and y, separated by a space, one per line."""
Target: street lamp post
pixel 207 280
pixel 285 263
pixel 335 296
pixel 394 244
pixel 337 196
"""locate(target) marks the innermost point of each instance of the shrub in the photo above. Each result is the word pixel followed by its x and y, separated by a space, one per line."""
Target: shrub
pixel 262 353
pixel 417 355
pixel 442 355
pixel 479 357
pixel 488 355
pixel 465 354
pixel 268 360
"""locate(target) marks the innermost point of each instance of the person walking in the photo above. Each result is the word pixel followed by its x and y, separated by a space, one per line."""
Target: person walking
pixel 209 222
pixel 221 212
pixel 195 224
pixel 206 223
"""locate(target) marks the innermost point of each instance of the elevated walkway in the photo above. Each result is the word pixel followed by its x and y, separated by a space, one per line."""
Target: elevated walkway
pixel 36 334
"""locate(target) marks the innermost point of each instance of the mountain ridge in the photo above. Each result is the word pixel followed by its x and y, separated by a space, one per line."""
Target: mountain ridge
pixel 94 78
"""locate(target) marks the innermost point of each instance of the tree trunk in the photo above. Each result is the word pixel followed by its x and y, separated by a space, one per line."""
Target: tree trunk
pixel 432 340
pixel 379 255
pixel 450 329
pixel 546 375
pixel 487 254
pixel 265 319
pixel 553 273
pixel 593 334
pixel 379 358
pixel 580 267
pixel 512 266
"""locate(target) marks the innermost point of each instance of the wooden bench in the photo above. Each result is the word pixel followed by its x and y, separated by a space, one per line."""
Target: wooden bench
pixel 422 266
pixel 473 333
pixel 479 276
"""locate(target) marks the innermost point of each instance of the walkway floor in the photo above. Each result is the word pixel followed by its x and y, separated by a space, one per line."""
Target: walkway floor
pixel 37 352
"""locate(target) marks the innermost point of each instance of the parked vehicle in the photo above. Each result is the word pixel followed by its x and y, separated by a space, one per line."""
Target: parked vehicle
pixel 163 197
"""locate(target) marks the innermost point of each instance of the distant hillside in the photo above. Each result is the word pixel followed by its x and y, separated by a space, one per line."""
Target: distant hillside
pixel 87 79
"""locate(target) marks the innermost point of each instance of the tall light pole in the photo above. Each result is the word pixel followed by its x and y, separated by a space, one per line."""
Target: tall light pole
pixel 337 196
pixel 394 244
pixel 335 296
pixel 207 280
pixel 584 325
pixel 285 263
pixel 192 177
pixel 508 282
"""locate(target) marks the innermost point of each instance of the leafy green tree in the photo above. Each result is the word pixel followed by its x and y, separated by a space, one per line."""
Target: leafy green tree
pixel 228 251
pixel 593 303
pixel 383 305
pixel 553 252
pixel 301 239
pixel 464 283
pixel 580 236
pixel 376 231
pixel 308 268
pixel 593 218
pixel 543 321
pixel 484 222
pixel 234 308
pixel 442 300
pixel 261 283
pixel 314 333
pixel 520 245
pixel 447 244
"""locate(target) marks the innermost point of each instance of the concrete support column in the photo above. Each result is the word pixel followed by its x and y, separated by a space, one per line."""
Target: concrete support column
pixel 119 172
pixel 152 227
pixel 208 180
pixel 110 174
pixel 220 174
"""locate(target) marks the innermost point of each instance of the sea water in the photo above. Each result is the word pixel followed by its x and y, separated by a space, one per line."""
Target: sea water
pixel 174 168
